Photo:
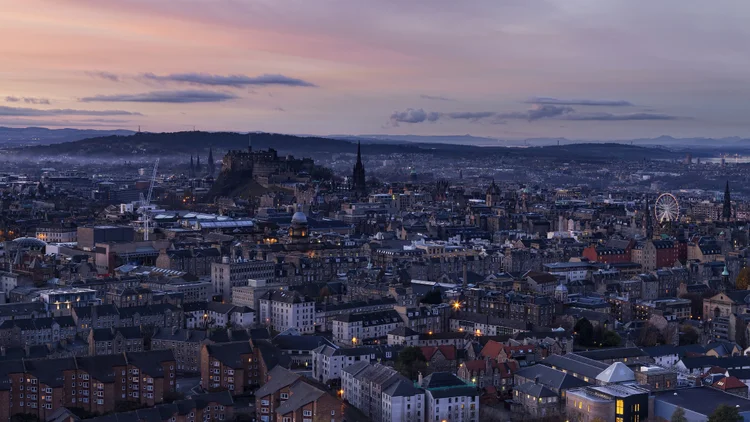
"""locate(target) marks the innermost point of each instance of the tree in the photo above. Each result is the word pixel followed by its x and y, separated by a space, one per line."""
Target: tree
pixel 650 336
pixel 410 362
pixel 724 413
pixel 433 297
pixel 584 332
pixel 689 335
pixel 678 415
pixel 743 279
pixel 611 339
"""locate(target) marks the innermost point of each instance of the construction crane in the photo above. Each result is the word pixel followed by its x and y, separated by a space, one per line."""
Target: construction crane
pixel 145 207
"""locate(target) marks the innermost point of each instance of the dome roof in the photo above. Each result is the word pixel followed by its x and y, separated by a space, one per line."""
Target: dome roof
pixel 561 288
pixel 299 217
pixel 30 242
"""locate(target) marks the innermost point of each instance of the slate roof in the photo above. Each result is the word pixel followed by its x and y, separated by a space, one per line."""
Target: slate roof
pixel 229 354
pixel 278 378
pixel 402 388
pixel 535 390
pixel 301 394
pixel 552 378
pixel 613 353
pixel 577 364
pixel 403 331
pixel 308 343
pixel 371 318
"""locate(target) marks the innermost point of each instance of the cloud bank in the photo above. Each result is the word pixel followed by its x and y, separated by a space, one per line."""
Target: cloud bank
pixel 536 112
pixel 23 111
pixel 436 98
pixel 27 100
pixel 104 75
pixel 235 81
pixel 177 97
pixel 556 101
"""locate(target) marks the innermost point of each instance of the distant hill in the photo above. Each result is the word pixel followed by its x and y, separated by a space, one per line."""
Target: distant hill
pixel 161 144
pixel 181 143
pixel 13 136
pixel 696 144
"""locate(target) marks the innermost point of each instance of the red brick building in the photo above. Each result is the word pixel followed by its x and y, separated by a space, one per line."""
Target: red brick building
pixel 228 366
pixel 287 396
pixel 93 383
pixel 607 255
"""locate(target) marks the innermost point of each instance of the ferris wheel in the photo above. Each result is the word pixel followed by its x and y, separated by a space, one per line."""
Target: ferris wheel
pixel 667 209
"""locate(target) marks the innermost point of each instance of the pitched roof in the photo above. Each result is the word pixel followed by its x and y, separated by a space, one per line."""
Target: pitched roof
pixel 552 378
pixel 278 378
pixel 301 394
pixel 729 383
pixel 576 364
pixel 491 349
pixel 535 390
pixel 230 354
pixel 448 351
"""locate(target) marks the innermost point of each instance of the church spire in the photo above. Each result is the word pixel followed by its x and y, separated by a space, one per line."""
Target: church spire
pixel 249 142
pixel 727 210
pixel 359 184
pixel 191 173
pixel 211 164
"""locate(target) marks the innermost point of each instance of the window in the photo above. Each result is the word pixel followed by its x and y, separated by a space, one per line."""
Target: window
pixel 284 396
pixel 620 407
pixel 307 413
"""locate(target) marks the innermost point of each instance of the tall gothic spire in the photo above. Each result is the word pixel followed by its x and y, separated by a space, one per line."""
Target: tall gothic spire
pixel 727 210
pixel 359 184
pixel 191 173
pixel 211 164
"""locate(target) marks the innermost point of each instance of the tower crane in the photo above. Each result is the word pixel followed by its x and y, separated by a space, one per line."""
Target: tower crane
pixel 145 207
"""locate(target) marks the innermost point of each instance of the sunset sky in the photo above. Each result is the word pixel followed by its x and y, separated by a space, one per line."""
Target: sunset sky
pixel 581 69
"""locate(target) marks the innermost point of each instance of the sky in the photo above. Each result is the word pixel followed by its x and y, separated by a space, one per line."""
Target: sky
pixel 505 69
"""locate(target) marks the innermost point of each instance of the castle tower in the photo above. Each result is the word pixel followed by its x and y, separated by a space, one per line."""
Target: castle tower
pixel 492 198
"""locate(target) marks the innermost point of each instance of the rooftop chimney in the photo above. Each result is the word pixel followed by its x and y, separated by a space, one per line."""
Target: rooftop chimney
pixel 419 378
